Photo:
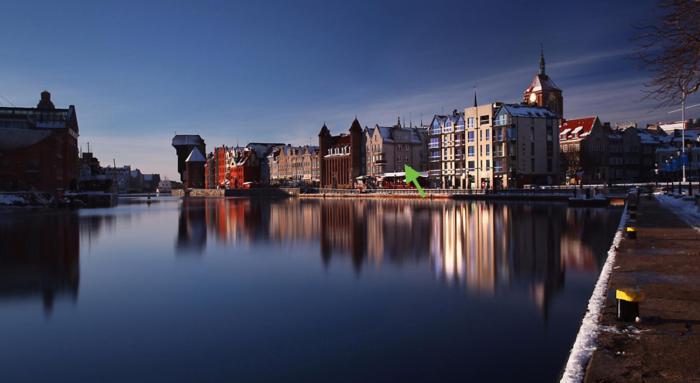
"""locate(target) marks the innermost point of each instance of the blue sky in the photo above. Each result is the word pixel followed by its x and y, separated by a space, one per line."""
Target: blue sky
pixel 236 72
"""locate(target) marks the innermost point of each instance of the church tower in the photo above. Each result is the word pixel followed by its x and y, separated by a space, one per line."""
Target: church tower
pixel 544 92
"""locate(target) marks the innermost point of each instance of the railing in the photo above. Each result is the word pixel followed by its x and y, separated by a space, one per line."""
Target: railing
pixel 433 145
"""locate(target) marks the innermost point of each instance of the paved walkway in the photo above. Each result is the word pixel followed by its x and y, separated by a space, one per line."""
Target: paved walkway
pixel 665 263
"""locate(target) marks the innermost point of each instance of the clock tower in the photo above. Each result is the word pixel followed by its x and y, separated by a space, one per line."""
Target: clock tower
pixel 544 92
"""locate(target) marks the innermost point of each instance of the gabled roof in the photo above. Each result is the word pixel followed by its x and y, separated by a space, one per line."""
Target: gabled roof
pixel 582 125
pixel 541 82
pixel 195 156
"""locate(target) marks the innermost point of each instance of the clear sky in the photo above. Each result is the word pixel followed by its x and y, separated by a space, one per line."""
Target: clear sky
pixel 236 72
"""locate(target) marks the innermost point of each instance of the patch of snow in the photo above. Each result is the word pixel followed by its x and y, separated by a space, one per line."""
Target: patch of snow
pixel 587 336
pixel 684 209
pixel 11 199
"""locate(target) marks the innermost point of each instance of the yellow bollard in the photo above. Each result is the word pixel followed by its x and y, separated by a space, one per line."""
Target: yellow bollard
pixel 628 304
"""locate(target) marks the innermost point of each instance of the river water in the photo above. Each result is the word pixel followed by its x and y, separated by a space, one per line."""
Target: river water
pixel 296 290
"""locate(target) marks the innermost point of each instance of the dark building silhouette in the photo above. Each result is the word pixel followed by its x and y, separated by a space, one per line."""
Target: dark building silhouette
pixel 39 147
pixel 341 157
pixel 194 169
pixel 183 144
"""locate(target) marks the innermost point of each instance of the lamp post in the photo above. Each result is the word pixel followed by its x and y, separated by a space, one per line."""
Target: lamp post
pixel 683 134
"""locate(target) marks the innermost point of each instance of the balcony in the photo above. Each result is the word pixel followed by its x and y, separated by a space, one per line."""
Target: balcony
pixel 433 145
pixel 498 153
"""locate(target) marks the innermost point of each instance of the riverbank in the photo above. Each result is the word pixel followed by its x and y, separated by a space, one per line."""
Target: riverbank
pixel 664 263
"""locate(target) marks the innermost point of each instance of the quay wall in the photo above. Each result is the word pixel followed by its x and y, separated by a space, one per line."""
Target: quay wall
pixel 261 192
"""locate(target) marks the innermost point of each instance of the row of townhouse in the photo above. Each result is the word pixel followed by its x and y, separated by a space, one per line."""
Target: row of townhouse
pixel 294 165
pixel 593 152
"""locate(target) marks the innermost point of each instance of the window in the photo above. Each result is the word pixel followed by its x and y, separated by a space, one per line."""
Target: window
pixel 532 164
pixel 487 134
pixel 470 151
pixel 488 147
pixel 470 136
pixel 502 119
pixel 549 165
pixel 470 165
pixel 470 122
pixel 488 164
pixel 484 120
pixel 532 148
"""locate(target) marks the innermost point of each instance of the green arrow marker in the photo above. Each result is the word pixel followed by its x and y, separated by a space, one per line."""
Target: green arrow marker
pixel 412 176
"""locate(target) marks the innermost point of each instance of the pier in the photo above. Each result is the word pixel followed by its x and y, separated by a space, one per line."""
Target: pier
pixel 663 263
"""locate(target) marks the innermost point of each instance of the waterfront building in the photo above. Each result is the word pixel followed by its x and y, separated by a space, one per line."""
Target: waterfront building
pixel 298 164
pixel 194 169
pixel 245 171
pixel 583 146
pixel 594 153
pixel 39 147
pixel 435 151
pixel 183 144
pixel 528 148
pixel 217 168
pixel 389 148
pixel 478 147
pixel 150 183
pixel 543 92
pixel 668 155
pixel 638 159
pixel 341 157
pixel 120 176
pixel 452 151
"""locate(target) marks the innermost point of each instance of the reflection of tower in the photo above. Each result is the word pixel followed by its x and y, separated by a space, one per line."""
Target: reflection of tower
pixel 343 230
pixel 537 259
pixel 192 226
pixel 49 267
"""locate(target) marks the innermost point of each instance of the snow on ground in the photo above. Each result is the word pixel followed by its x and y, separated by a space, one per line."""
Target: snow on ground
pixel 587 336
pixel 685 210
pixel 11 199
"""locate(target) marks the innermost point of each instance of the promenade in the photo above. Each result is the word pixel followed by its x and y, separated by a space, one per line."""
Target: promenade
pixel 664 262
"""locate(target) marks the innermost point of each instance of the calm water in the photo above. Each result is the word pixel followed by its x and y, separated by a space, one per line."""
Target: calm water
pixel 246 290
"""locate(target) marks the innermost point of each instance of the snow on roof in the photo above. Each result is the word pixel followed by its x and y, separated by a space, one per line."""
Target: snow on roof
pixel 585 124
pixel 540 82
pixel 195 156
pixel 518 110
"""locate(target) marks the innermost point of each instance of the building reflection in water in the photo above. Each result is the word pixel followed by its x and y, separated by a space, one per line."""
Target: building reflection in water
pixel 483 247
pixel 39 256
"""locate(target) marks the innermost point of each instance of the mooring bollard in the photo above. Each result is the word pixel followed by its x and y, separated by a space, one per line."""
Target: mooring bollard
pixel 628 304
pixel 631 232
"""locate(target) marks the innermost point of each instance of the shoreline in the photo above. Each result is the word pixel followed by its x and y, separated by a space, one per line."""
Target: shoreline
pixel 586 338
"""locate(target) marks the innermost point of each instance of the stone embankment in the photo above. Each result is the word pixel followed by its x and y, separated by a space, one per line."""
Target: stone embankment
pixel 663 263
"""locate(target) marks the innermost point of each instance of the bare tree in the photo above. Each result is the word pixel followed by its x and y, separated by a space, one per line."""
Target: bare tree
pixel 670 49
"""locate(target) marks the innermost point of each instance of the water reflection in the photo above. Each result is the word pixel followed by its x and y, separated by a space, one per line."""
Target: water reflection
pixel 479 246
pixel 39 256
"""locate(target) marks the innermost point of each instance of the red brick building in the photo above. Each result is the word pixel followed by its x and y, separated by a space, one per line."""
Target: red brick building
pixel 39 148
pixel 245 171
pixel 341 157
